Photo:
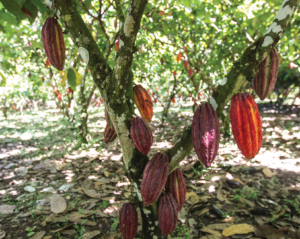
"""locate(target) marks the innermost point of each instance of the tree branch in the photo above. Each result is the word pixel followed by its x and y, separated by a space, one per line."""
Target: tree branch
pixel 236 78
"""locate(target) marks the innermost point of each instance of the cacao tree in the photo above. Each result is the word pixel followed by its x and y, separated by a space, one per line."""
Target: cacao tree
pixel 114 75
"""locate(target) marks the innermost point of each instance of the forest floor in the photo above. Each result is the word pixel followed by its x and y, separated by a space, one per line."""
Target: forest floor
pixel 241 199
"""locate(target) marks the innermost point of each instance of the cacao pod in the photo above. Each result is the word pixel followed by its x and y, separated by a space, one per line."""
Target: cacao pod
pixel 128 221
pixel 53 41
pixel 246 124
pixel 167 214
pixel 143 102
pixel 155 176
pixel 206 133
pixel 141 134
pixel 109 134
pixel 176 186
pixel 264 81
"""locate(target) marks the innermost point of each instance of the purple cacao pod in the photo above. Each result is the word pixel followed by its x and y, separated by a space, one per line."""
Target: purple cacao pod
pixel 128 221
pixel 176 186
pixel 206 133
pixel 155 176
pixel 54 44
pixel 109 134
pixel 264 81
pixel 141 134
pixel 167 214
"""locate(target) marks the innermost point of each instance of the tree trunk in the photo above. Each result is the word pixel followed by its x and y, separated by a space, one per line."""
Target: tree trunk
pixel 150 226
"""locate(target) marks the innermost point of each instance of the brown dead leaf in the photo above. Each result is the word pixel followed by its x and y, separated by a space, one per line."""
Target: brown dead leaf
pixel 57 204
pixel 267 172
pixel 62 228
pixel 69 232
pixel 90 192
pixel 238 180
pixel 244 200
pixel 7 209
pixel 2 234
pixel 211 231
pixel 204 210
pixel 238 229
pixel 47 237
pixel 268 232
pixel 219 226
pixel 76 218
pixel 53 218
pixel 192 198
pixel 209 237
pixel 90 235
pixel 38 235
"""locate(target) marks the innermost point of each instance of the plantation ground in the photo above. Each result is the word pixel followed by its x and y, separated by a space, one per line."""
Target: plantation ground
pixel 38 160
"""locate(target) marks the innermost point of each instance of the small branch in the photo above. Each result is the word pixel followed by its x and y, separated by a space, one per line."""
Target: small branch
pixel 118 8
pixel 111 45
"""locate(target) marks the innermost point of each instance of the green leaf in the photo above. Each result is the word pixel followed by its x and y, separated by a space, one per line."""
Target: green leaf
pixel 41 7
pixel 12 6
pixel 8 18
pixel 3 80
pixel 2 29
pixel 88 3
pixel 32 9
pixel 72 79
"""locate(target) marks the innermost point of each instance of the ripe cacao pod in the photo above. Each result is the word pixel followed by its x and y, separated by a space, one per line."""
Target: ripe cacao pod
pixel 264 81
pixel 206 133
pixel 167 214
pixel 53 41
pixel 141 134
pixel 128 221
pixel 155 176
pixel 109 134
pixel 176 186
pixel 143 102
pixel 246 124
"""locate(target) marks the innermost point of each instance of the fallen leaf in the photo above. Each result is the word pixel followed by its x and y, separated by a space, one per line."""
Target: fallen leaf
pixel 213 232
pixel 38 235
pixel 268 173
pixel 90 192
pixel 62 228
pixel 204 210
pixel 219 226
pixel 2 234
pixel 29 189
pixel 238 229
pixel 192 198
pixel 69 232
pixel 7 209
pixel 268 232
pixel 57 204
pixel 90 235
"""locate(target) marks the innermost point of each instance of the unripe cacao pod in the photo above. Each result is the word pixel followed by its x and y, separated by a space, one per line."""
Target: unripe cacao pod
pixel 167 214
pixel 53 41
pixel 128 221
pixel 155 176
pixel 143 102
pixel 264 81
pixel 109 134
pixel 176 186
pixel 141 134
pixel 206 133
pixel 246 124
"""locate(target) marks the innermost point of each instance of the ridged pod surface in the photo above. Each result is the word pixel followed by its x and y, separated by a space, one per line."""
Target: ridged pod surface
pixel 264 81
pixel 176 185
pixel 167 214
pixel 128 221
pixel 107 119
pixel 53 41
pixel 109 134
pixel 206 133
pixel 155 176
pixel 141 134
pixel 143 102
pixel 246 124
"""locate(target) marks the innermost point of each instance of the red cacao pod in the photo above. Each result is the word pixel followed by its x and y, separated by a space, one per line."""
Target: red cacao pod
pixel 109 134
pixel 155 176
pixel 246 124
pixel 141 134
pixel 167 214
pixel 264 81
pixel 206 133
pixel 53 41
pixel 176 186
pixel 143 102
pixel 128 221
